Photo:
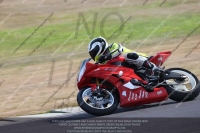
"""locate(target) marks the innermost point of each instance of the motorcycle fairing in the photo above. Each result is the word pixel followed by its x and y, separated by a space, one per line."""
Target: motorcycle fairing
pixel 139 96
pixel 110 73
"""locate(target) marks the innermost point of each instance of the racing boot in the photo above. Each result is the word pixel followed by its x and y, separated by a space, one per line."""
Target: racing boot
pixel 156 74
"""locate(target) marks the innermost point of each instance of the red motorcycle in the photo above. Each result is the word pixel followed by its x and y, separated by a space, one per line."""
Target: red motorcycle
pixel 104 87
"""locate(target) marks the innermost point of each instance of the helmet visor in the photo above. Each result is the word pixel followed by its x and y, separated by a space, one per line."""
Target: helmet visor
pixel 94 52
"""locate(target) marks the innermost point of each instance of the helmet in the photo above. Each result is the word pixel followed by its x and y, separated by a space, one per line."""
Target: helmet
pixel 97 47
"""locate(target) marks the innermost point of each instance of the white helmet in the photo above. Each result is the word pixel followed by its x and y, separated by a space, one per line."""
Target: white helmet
pixel 97 47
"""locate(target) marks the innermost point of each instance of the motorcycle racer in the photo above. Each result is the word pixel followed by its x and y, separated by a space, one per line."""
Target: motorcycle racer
pixel 99 50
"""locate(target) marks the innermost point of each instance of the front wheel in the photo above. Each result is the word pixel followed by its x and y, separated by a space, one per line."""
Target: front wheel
pixel 183 90
pixel 95 104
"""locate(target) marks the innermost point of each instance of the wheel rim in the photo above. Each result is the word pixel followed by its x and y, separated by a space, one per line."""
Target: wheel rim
pixel 98 102
pixel 188 85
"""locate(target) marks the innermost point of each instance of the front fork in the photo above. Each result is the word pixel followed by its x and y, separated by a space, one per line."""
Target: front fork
pixel 98 88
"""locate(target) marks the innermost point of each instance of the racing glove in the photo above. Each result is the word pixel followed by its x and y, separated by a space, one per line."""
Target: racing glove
pixel 103 58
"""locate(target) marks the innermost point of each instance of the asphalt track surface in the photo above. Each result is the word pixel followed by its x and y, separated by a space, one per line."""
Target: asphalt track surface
pixel 169 117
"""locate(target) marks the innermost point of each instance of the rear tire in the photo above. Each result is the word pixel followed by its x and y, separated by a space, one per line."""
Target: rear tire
pixel 93 110
pixel 178 95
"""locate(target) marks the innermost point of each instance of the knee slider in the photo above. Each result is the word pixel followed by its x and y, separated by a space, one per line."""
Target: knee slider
pixel 132 56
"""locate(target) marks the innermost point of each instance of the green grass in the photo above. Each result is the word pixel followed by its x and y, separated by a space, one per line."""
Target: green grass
pixel 140 27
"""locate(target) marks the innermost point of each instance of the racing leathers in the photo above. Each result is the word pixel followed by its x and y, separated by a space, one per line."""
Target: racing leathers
pixel 131 57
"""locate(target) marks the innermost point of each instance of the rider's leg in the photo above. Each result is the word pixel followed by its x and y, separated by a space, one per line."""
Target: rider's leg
pixel 140 61
pixel 143 62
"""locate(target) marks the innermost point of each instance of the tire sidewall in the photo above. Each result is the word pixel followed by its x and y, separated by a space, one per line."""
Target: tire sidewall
pixel 94 111
pixel 183 96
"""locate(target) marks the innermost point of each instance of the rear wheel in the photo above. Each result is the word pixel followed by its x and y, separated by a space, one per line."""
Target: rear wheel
pixel 183 90
pixel 95 104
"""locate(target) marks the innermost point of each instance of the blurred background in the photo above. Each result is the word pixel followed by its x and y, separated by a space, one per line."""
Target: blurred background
pixel 42 43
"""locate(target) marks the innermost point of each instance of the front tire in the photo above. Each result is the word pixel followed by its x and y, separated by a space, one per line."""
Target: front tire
pixel 187 91
pixel 85 102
